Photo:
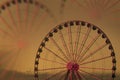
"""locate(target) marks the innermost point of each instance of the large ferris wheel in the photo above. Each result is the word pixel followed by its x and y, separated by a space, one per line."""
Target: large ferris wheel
pixel 75 50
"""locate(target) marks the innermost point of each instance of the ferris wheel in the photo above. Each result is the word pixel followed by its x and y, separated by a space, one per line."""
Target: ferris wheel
pixel 19 23
pixel 75 50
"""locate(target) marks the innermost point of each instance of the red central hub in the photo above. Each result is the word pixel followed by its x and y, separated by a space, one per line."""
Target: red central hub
pixel 72 66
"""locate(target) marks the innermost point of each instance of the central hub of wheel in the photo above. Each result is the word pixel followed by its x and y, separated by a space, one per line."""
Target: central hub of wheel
pixel 72 66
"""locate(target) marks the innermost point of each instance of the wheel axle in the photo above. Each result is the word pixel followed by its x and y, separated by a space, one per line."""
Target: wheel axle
pixel 72 66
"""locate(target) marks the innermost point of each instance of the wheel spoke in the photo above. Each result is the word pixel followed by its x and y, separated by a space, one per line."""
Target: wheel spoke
pixel 74 76
pixel 91 75
pixel 70 41
pixel 61 77
pixel 89 4
pixel 55 54
pixel 4 33
pixel 26 16
pixel 112 5
pixel 95 60
pixel 10 64
pixel 12 19
pixel 8 26
pixel 107 2
pixel 67 75
pixel 52 69
pixel 70 76
pixel 77 40
pixel 2 61
pixel 82 75
pixel 64 43
pixel 52 61
pixel 89 46
pixel 55 43
pixel 94 52
pixel 18 15
pixel 34 16
pixel 96 68
pixel 83 43
pixel 52 76
pixel 78 75
pixel 78 3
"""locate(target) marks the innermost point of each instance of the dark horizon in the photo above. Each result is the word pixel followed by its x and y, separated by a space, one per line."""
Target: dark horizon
pixel 30 76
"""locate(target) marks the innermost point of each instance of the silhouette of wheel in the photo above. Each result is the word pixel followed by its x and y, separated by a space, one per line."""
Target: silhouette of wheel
pixel 20 22
pixel 75 50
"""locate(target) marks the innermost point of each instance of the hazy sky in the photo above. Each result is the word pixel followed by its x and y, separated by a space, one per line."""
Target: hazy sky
pixel 19 46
